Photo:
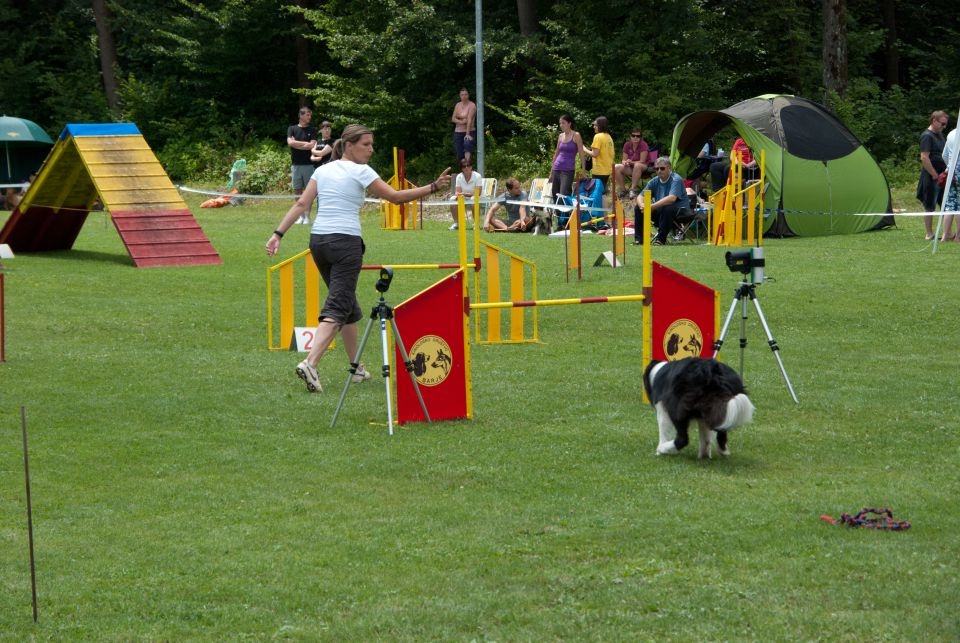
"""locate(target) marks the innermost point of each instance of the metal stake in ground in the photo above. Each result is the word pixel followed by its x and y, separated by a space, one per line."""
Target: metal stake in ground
pixel 384 313
pixel 26 473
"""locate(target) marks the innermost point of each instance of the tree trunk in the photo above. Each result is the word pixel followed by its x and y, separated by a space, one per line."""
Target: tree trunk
pixel 835 47
pixel 303 53
pixel 108 53
pixel 527 14
pixel 891 55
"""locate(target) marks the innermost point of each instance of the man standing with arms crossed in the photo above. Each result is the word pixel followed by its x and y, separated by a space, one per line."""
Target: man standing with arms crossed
pixel 464 126
pixel 301 139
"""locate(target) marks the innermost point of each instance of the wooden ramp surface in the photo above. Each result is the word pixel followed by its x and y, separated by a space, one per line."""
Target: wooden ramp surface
pixel 153 221
pixel 164 238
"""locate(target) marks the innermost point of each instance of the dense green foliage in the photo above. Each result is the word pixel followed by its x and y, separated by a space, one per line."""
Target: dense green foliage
pixel 185 486
pixel 210 80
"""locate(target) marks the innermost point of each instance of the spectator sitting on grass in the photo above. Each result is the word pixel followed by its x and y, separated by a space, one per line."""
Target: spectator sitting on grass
pixel 517 218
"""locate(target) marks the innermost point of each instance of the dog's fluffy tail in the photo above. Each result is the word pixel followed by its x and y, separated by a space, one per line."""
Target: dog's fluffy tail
pixel 739 412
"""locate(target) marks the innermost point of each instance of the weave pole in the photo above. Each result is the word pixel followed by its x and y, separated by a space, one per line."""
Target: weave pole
pixel 401 181
pixel 646 351
pixel 571 243
pixel 26 474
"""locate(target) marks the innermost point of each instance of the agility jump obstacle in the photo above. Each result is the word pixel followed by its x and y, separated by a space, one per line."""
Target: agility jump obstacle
pixel 517 267
pixel 489 268
pixel 111 163
pixel 404 216
pixel 727 210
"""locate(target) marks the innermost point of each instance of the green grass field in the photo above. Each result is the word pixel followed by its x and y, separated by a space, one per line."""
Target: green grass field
pixel 186 486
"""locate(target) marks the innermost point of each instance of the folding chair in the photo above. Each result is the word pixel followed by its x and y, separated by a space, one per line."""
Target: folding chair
pixel 541 191
pixel 690 224
pixel 590 196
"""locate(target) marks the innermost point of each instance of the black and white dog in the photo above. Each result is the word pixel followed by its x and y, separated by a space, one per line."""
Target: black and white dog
pixel 696 388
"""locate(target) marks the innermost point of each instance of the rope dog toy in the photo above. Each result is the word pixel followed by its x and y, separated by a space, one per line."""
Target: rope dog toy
pixel 884 520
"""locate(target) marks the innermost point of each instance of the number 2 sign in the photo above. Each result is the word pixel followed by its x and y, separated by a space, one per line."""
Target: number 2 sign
pixel 304 337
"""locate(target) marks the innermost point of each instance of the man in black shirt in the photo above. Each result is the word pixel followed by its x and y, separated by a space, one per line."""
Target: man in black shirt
pixel 931 165
pixel 301 138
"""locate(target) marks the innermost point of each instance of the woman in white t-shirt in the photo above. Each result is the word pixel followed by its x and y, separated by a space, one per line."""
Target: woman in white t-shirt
pixel 466 182
pixel 335 241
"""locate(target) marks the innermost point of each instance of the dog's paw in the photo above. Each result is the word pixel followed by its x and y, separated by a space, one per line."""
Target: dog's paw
pixel 667 448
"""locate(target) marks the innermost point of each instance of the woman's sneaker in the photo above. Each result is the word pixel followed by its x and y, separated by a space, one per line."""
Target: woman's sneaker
pixel 309 375
pixel 362 375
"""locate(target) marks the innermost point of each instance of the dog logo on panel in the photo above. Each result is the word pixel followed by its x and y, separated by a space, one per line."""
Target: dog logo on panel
pixel 432 360
pixel 682 339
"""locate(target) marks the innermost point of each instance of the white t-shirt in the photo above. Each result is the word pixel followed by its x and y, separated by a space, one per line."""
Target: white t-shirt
pixel 466 187
pixel 340 189
pixel 948 147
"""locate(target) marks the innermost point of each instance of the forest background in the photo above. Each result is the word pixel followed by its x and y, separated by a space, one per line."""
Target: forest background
pixel 214 80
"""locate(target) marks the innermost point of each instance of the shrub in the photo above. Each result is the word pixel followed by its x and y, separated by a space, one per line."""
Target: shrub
pixel 268 169
pixel 526 149
pixel 902 171
pixel 189 161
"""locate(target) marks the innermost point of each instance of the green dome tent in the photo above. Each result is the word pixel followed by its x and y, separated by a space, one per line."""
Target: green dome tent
pixel 816 168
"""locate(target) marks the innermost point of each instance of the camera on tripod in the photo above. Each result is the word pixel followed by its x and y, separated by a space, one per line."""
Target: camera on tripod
pixel 747 261
pixel 386 276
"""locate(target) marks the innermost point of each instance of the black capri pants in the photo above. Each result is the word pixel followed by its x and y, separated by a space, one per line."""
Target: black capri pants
pixel 339 258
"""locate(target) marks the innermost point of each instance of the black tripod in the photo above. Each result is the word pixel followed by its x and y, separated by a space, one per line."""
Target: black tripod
pixel 744 290
pixel 384 313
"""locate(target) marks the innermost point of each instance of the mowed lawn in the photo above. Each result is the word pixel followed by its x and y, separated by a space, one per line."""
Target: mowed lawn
pixel 187 487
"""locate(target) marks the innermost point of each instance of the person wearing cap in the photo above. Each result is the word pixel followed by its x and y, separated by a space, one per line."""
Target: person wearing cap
pixel 601 149
pixel 323 151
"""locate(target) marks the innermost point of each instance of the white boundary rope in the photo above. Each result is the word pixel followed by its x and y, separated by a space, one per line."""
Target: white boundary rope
pixel 237 196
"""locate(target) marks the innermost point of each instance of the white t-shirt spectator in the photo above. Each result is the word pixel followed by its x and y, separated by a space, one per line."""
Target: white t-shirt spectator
pixel 466 187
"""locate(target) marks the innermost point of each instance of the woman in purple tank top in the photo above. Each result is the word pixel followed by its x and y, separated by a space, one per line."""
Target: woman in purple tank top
pixel 569 145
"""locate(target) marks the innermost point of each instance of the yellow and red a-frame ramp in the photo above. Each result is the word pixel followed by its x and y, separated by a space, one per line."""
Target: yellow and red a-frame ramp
pixel 112 163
